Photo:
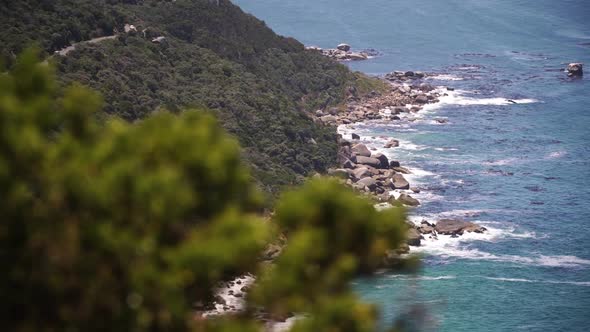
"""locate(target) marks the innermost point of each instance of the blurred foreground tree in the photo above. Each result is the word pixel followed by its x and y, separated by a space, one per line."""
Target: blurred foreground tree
pixel 121 227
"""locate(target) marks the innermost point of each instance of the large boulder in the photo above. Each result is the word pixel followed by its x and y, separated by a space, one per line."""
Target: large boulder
pixel 368 182
pixel 399 182
pixel 413 237
pixel 406 199
pixel 457 227
pixel 383 160
pixel 361 172
pixel 361 150
pixel 394 163
pixel 575 69
pixel 422 99
pixel 373 162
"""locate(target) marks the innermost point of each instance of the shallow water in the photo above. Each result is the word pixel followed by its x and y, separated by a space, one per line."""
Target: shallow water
pixel 522 170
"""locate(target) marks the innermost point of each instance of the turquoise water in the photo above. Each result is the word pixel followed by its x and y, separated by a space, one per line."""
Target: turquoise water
pixel 522 170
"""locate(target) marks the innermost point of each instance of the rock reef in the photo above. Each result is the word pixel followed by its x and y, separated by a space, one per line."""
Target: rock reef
pixel 343 52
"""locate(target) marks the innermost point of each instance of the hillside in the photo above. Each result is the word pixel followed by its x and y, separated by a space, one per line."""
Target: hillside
pixel 262 87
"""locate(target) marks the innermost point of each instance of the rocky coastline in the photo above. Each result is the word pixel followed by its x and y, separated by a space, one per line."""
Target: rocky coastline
pixel 369 173
pixel 372 173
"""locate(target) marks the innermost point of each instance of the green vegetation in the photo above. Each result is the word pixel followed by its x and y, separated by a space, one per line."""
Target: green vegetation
pixel 261 86
pixel 122 227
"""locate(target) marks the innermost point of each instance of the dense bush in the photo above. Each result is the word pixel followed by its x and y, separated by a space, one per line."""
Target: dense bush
pixel 261 86
pixel 122 227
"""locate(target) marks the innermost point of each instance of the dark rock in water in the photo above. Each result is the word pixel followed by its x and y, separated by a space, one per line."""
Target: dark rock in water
pixel 450 89
pixel 394 163
pixel 415 190
pixel 441 121
pixel 395 117
pixel 408 200
pixel 457 227
pixel 413 237
pixel 373 162
pixel 575 70
pixel 393 143
pixel 355 136
pixel 409 74
pixel 361 150
pixel 399 182
pixel 383 159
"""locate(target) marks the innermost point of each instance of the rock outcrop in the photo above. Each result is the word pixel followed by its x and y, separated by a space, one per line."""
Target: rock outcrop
pixel 457 227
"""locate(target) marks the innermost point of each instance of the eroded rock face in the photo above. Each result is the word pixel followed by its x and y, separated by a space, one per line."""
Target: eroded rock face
pixel 457 227
pixel 575 69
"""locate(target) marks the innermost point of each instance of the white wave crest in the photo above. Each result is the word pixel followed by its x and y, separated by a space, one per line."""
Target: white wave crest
pixel 556 155
pixel 419 277
pixel 577 283
pixel 445 77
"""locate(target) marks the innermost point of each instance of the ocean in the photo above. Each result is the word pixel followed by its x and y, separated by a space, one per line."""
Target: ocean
pixel 520 169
